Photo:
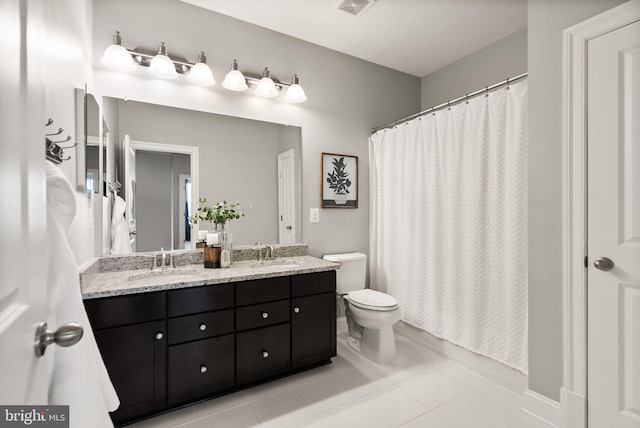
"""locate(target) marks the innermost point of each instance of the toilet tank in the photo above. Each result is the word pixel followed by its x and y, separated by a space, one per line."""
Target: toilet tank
pixel 352 274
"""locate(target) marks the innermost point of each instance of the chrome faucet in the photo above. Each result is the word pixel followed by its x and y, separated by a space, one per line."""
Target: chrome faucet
pixel 259 251
pixel 269 253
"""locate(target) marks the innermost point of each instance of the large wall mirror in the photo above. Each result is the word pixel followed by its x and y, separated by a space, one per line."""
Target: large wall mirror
pixel 239 160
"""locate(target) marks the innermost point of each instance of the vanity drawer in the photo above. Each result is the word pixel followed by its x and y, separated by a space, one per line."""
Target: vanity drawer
pixel 313 283
pixel 262 290
pixel 263 353
pixel 200 299
pixel 200 326
pixel 123 310
pixel 262 315
pixel 201 368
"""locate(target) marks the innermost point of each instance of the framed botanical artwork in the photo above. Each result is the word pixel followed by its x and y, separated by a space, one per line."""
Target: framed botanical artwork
pixel 339 181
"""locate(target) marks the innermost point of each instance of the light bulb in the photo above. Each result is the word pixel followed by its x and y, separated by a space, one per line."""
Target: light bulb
pixel 117 56
pixel 200 73
pixel 295 93
pixel 266 87
pixel 161 65
pixel 234 80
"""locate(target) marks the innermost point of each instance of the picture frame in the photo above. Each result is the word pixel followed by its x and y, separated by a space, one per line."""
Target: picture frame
pixel 339 181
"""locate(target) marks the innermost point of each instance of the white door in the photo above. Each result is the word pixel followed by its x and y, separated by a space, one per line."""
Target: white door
pixel 23 288
pixel 614 228
pixel 287 197
pixel 130 188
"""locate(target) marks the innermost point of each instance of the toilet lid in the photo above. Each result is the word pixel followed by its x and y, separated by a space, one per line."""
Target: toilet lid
pixel 371 299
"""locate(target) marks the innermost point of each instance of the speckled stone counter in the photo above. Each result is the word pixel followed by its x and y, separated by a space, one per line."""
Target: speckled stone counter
pixel 122 275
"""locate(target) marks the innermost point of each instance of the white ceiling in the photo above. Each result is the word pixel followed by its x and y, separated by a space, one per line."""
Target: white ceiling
pixel 413 36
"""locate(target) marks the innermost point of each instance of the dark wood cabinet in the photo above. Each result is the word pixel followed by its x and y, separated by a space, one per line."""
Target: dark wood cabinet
pixel 313 329
pixel 201 368
pixel 134 350
pixel 263 353
pixel 165 349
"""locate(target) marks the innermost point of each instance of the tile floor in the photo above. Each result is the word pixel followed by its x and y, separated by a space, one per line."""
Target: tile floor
pixel 420 389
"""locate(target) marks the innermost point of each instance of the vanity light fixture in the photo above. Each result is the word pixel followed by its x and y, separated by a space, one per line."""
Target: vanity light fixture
pixel 200 73
pixel 117 56
pixel 160 64
pixel 235 80
pixel 266 87
pixel 295 93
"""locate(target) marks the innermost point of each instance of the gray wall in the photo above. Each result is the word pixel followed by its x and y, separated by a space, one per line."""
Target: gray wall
pixel 341 110
pixel 495 63
pixel 547 19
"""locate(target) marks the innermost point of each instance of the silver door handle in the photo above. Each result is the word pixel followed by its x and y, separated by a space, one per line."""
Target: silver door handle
pixel 289 227
pixel 66 335
pixel 603 263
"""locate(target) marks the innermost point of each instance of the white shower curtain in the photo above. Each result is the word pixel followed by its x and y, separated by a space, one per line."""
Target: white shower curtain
pixel 449 222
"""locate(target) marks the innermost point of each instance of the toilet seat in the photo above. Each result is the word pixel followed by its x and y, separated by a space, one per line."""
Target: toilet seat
pixel 372 300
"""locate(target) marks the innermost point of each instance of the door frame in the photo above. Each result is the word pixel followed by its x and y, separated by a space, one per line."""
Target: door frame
pixel 192 151
pixel 574 392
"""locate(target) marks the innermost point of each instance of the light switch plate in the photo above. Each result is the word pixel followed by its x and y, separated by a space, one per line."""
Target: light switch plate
pixel 314 215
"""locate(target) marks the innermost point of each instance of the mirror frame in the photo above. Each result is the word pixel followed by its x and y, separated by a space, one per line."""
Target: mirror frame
pixel 81 96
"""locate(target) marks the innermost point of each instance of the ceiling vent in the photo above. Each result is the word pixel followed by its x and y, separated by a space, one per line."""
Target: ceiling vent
pixel 355 7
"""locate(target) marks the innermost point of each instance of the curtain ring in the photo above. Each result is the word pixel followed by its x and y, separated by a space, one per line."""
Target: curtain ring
pixel 508 84
pixel 486 91
pixel 467 99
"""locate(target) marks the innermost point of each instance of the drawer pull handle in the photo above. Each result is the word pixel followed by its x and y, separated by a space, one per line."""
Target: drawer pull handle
pixel 265 354
pixel 265 315
pixel 159 335
pixel 203 327
pixel 296 310
pixel 203 369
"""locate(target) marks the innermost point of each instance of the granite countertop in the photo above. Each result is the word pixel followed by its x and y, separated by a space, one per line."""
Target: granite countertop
pixel 123 282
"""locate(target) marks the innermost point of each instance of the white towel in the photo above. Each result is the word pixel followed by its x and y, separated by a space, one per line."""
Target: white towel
pixel 120 242
pixel 77 375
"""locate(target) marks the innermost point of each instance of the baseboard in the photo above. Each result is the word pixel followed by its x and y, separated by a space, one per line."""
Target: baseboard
pixel 499 373
pixel 541 407
pixel 573 410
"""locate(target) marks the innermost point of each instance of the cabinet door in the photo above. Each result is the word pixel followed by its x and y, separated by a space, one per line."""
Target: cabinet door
pixel 201 368
pixel 313 329
pixel 263 353
pixel 135 358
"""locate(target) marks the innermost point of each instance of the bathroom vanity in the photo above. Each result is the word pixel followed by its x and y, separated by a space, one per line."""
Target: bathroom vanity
pixel 179 336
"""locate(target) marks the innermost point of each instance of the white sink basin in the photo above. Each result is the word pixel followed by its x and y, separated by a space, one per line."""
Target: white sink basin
pixel 283 264
pixel 172 274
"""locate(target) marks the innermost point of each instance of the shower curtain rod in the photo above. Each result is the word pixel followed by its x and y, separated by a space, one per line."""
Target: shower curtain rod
pixel 450 103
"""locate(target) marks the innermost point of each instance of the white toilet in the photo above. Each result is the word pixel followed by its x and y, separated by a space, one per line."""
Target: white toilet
pixel 374 313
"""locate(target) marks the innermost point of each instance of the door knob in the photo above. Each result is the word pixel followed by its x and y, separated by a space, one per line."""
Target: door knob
pixel 66 335
pixel 289 227
pixel 603 263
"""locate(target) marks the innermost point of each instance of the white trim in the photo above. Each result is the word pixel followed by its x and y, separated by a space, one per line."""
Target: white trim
pixel 573 410
pixel 507 377
pixel 575 41
pixel 541 407
pixel 194 157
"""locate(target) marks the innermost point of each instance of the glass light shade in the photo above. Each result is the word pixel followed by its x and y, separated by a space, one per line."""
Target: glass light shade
pixel 201 74
pixel 162 66
pixel 235 81
pixel 266 88
pixel 295 94
pixel 118 58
